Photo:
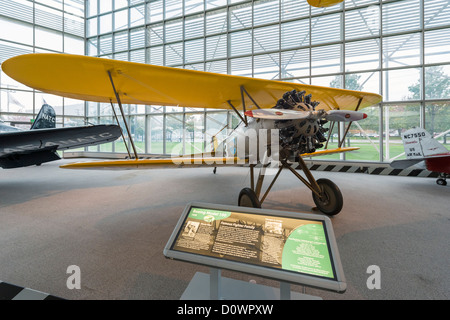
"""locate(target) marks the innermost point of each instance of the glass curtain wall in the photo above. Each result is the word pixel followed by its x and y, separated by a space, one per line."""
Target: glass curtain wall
pixel 397 48
pixel 46 26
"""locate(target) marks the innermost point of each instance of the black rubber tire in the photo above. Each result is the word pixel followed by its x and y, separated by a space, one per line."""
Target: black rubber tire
pixel 248 198
pixel 331 202
pixel 441 182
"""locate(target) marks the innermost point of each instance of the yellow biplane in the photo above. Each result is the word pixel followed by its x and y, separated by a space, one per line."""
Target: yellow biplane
pixel 323 3
pixel 262 106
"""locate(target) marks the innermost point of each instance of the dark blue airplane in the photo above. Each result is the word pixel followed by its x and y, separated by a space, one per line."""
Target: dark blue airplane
pixel 22 148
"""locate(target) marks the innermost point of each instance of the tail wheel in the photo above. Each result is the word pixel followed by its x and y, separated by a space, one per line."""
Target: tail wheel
pixel 330 202
pixel 441 182
pixel 248 198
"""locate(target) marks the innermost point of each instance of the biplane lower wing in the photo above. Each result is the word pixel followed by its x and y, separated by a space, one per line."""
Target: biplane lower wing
pixel 181 162
pixel 329 151
pixel 175 162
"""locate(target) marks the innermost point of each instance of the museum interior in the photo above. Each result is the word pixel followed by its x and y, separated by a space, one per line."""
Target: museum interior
pixel 132 235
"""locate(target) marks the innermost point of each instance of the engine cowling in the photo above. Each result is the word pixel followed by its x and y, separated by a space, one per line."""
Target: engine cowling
pixel 300 135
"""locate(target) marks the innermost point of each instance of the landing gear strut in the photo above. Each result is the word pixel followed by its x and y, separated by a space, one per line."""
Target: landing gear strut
pixel 442 181
pixel 326 195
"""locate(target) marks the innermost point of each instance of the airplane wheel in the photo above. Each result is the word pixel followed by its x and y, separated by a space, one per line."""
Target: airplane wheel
pixel 248 198
pixel 441 182
pixel 331 201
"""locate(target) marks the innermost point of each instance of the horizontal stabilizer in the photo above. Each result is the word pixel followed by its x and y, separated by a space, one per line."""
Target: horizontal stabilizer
pixel 406 163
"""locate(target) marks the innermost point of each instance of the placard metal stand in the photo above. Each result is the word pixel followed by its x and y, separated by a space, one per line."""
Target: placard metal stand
pixel 213 286
pixel 215 283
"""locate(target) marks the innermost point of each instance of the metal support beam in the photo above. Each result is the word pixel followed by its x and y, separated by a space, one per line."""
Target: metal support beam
pixel 237 112
pixel 215 283
pixel 261 175
pixel 248 95
pixel 260 182
pixel 350 123
pixel 244 107
pixel 252 177
pixel 330 133
pixel 311 182
pixel 271 185
pixel 121 131
pixel 123 114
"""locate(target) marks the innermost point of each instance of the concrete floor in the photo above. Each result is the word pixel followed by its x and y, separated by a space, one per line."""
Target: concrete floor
pixel 115 224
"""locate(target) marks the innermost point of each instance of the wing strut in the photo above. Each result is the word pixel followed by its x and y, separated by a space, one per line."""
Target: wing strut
pixel 123 115
pixel 248 95
pixel 341 141
pixel 121 131
pixel 348 127
pixel 330 134
pixel 244 108
pixel 244 119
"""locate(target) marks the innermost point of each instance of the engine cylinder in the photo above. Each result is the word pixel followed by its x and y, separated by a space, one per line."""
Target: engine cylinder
pixel 304 135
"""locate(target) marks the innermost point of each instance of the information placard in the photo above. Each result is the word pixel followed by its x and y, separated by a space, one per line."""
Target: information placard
pixel 298 248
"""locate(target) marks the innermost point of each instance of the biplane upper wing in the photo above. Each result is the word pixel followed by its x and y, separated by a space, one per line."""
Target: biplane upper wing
pixel 90 78
pixel 323 3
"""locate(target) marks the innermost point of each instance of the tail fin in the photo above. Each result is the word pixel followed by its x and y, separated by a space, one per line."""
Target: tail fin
pixel 418 144
pixel 46 118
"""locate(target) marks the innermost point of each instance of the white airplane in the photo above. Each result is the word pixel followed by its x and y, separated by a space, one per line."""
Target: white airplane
pixel 421 147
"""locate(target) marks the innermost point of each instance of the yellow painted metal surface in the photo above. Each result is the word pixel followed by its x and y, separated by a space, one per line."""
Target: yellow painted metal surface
pixel 324 3
pixel 179 162
pixel 329 151
pixel 86 78
pixel 155 163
